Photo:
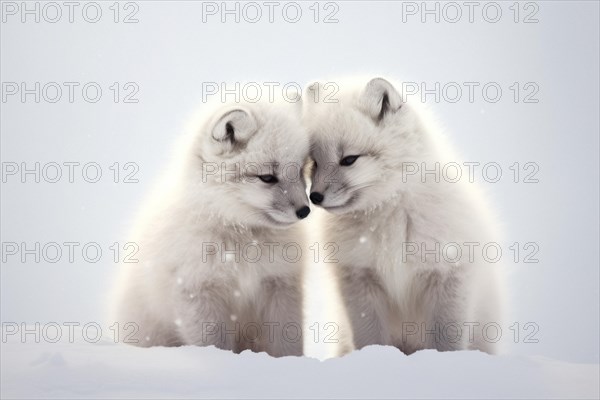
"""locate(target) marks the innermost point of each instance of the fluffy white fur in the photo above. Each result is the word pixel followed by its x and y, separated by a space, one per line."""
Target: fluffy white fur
pixel 372 212
pixel 176 294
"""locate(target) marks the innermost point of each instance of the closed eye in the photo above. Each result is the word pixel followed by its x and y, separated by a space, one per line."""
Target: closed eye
pixel 268 178
pixel 348 160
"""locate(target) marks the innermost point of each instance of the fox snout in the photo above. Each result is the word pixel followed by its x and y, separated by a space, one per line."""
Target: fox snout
pixel 316 198
pixel 303 212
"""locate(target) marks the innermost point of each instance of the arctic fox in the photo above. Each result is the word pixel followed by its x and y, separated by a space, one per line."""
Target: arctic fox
pixel 404 273
pixel 213 267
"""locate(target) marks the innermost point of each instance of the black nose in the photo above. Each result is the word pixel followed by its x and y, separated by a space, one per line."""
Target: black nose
pixel 303 212
pixel 316 197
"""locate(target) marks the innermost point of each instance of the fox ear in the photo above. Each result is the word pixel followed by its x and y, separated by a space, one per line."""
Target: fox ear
pixel 379 98
pixel 294 96
pixel 233 129
pixel 312 92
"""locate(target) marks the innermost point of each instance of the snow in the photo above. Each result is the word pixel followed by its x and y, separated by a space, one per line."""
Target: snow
pixel 109 370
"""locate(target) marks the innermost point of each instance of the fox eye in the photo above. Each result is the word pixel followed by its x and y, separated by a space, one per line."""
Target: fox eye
pixel 268 178
pixel 315 165
pixel 349 160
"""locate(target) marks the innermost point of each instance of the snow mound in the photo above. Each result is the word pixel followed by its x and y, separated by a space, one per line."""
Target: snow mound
pixel 108 370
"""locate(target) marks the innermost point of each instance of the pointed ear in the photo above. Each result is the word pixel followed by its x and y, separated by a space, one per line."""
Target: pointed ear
pixel 294 96
pixel 379 98
pixel 233 129
pixel 312 93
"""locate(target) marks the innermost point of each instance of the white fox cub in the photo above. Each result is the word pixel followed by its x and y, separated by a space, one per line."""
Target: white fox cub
pixel 404 269
pixel 211 267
